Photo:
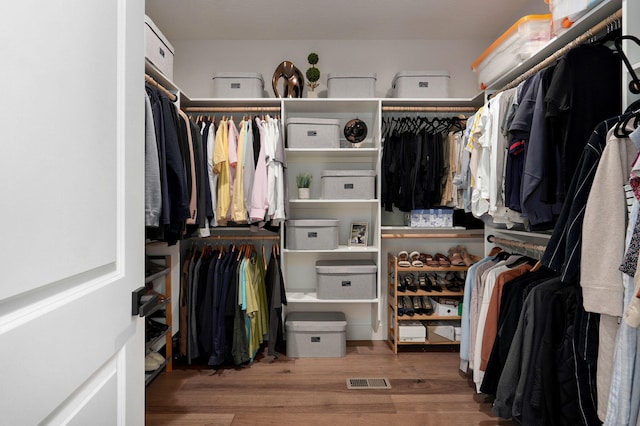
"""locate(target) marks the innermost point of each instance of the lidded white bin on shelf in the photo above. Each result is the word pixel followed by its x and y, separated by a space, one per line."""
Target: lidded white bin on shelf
pixel 157 48
pixel 316 334
pixel 312 234
pixel 348 184
pixel 346 279
pixel 238 85
pixel 351 85
pixel 412 331
pixel 313 133
pixel 421 84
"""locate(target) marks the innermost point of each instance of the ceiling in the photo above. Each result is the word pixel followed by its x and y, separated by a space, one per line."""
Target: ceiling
pixel 338 19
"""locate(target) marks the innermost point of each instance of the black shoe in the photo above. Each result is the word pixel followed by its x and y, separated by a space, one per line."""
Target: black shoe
pixel 155 325
pixel 410 281
pixel 402 286
pixel 435 286
pixel 427 306
pixel 400 306
pixel 424 283
pixel 417 305
pixel 408 306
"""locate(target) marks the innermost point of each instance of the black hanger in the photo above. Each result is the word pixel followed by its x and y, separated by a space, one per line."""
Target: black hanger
pixel 622 129
pixel 503 255
pixel 634 84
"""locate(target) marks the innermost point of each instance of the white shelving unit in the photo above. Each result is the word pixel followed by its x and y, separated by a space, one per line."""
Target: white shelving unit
pixel 299 265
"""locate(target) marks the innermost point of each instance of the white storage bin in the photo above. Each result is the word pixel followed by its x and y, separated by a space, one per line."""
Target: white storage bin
pixel 421 84
pixel 351 85
pixel 312 234
pixel 526 37
pixel 238 85
pixel 316 334
pixel 157 48
pixel 346 279
pixel 313 133
pixel 412 331
pixel 440 331
pixel 348 184
pixel 445 309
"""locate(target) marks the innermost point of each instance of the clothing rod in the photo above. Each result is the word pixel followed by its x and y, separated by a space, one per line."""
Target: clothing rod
pixel 240 237
pixel 160 87
pixel 231 109
pixel 428 109
pixel 606 23
pixel 516 244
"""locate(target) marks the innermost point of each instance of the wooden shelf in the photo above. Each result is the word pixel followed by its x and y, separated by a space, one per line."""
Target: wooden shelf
pixel 394 273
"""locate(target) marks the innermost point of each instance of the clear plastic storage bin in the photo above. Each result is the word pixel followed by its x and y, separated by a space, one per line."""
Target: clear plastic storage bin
pixel 526 37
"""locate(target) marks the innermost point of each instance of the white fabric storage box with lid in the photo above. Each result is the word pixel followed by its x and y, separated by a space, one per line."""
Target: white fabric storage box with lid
pixel 238 85
pixel 312 234
pixel 411 331
pixel 313 133
pixel 316 334
pixel 523 39
pixel 421 84
pixel 157 48
pixel 351 85
pixel 346 279
pixel 348 184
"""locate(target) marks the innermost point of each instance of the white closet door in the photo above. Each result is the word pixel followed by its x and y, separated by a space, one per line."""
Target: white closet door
pixel 71 208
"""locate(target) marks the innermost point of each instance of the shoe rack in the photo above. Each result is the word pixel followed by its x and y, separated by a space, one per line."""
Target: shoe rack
pixel 395 295
pixel 158 335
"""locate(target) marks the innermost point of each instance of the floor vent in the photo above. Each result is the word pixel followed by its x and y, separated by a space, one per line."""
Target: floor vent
pixel 368 383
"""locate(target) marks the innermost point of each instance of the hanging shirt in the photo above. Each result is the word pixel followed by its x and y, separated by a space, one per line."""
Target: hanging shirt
pixel 259 197
pixel 213 177
pixel 238 210
pixel 233 160
pixel 152 190
pixel 221 168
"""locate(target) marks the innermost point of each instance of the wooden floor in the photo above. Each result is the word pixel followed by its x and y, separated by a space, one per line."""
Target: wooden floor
pixel 427 389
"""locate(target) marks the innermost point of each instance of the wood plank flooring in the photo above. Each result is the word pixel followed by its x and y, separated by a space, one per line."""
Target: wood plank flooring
pixel 427 389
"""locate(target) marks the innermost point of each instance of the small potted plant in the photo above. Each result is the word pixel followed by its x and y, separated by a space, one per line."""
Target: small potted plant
pixel 313 75
pixel 303 181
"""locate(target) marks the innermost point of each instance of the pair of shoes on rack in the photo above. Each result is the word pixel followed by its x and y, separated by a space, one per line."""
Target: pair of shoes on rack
pixel 408 306
pixel 452 282
pixel 415 259
pixel 153 361
pixel 420 305
pixel 467 258
pixel 435 281
pixel 443 261
pixel 409 282
pixel 154 329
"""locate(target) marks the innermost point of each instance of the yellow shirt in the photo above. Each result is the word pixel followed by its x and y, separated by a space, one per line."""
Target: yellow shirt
pixel 221 168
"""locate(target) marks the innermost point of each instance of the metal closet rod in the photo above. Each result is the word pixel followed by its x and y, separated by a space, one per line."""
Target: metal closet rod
pixel 231 109
pixel 516 244
pixel 240 237
pixel 428 109
pixel 160 87
pixel 605 24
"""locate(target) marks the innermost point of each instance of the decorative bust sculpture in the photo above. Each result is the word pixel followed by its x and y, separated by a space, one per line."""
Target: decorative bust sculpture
pixel 294 80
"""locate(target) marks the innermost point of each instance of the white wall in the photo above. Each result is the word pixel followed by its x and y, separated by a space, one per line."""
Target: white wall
pixel 197 60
